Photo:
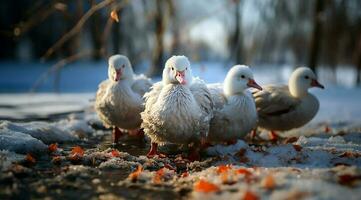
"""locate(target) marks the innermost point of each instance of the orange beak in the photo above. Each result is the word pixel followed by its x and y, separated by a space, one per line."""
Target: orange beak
pixel 252 83
pixel 180 76
pixel 315 83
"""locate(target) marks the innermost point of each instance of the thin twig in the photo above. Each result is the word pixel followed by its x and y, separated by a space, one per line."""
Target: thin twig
pixel 57 66
pixel 76 28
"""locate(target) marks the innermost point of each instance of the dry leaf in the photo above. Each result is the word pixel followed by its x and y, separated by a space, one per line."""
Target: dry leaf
pixel 243 171
pixel 114 16
pixel 249 195
pixel 205 186
pixel 115 153
pixel 185 174
pixel 29 159
pixel 134 175
pixel 157 179
pixel 53 147
pixel 223 168
pixel 269 182
pixel 77 151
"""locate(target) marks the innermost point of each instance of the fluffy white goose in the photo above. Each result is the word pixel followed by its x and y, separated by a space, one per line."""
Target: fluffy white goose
pixel 282 107
pixel 235 112
pixel 119 99
pixel 178 109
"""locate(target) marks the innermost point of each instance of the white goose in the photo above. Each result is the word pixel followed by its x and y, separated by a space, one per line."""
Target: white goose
pixel 178 109
pixel 282 107
pixel 119 99
pixel 235 112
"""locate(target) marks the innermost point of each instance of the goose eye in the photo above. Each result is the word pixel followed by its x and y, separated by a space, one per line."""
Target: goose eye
pixel 123 66
pixel 243 76
pixel 307 77
pixel 186 68
pixel 172 68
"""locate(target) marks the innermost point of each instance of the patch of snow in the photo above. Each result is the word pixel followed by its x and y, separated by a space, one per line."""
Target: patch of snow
pixel 19 142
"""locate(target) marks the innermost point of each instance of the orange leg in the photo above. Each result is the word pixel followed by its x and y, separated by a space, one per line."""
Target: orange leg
pixel 153 150
pixel 117 133
pixel 273 136
pixel 253 134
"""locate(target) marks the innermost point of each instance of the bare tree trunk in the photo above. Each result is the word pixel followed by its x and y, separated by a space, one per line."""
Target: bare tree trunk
pixel 357 58
pixel 157 61
pixel 316 36
pixel 95 30
pixel 236 42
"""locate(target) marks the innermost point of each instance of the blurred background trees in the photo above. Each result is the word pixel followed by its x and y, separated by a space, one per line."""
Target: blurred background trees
pixel 300 32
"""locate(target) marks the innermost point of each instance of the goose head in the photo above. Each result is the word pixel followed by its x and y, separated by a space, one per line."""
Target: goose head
pixel 119 68
pixel 177 70
pixel 238 79
pixel 301 80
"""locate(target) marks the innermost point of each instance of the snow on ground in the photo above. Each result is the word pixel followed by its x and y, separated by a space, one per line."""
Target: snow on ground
pixel 320 161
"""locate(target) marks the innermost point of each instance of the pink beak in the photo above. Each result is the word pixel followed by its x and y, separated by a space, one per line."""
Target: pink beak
pixel 118 74
pixel 315 83
pixel 180 76
pixel 252 83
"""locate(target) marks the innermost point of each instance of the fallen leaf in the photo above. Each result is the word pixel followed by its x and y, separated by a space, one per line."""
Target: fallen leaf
pixel 115 153
pixel 157 179
pixel 77 151
pixel 269 182
pixel 185 174
pixel 248 195
pixel 134 175
pixel 223 168
pixel 29 159
pixel 53 147
pixel 114 15
pixel 205 186
pixel 76 155
pixel 297 147
pixel 243 171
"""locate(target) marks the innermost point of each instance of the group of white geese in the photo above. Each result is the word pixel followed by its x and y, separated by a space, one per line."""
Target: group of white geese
pixel 184 110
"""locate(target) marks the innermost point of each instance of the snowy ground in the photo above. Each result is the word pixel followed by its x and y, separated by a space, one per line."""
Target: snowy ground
pixel 319 161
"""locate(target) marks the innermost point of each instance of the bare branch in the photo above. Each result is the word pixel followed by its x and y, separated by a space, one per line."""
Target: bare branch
pixel 77 27
pixel 57 66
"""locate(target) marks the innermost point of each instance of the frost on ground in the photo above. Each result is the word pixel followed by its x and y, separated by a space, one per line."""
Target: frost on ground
pixel 40 159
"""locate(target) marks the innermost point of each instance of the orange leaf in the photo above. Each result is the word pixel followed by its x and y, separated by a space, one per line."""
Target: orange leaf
pixel 114 16
pixel 134 175
pixel 77 151
pixel 223 168
pixel 269 182
pixel 158 176
pixel 205 186
pixel 248 195
pixel 243 171
pixel 30 159
pixel 115 153
pixel 53 147
pixel 185 174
